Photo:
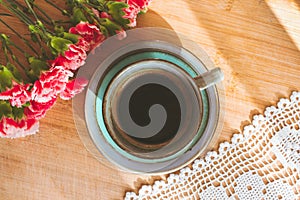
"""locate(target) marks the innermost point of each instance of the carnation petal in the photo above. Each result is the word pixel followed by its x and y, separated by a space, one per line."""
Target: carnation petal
pixel 9 128
pixel 73 87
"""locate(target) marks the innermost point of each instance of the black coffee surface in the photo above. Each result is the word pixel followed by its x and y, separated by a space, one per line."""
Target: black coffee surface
pixel 141 101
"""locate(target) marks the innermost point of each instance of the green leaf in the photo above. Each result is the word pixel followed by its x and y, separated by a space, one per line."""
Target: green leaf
pixel 60 45
pixel 5 109
pixel 96 2
pixel 115 9
pixel 78 16
pixel 18 113
pixel 104 31
pixel 5 78
pixel 26 104
pixel 72 37
pixel 59 29
pixel 37 64
pixel 13 5
pixel 33 28
pixel 17 75
pixel 31 75
pixel 36 67
pixel 111 26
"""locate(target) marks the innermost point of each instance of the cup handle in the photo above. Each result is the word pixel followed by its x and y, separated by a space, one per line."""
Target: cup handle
pixel 209 78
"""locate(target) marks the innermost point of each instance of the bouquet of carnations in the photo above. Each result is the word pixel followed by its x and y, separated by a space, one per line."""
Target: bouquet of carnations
pixel 56 49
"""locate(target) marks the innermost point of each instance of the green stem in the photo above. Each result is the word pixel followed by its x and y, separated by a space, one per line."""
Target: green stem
pixel 7 51
pixel 39 23
pixel 20 36
pixel 90 15
pixel 42 33
pixel 40 41
pixel 98 7
pixel 64 12
pixel 13 30
pixel 18 48
pixel 19 13
pixel 62 22
pixel 49 20
pixel 18 4
pixel 31 10
pixel 14 58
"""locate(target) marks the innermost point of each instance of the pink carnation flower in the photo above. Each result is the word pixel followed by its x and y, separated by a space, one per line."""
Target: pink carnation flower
pixel 96 12
pixel 50 84
pixel 131 14
pixel 134 8
pixel 121 34
pixel 10 128
pixel 89 33
pixel 83 44
pixel 37 110
pixel 17 95
pixel 105 15
pixel 141 4
pixel 73 87
pixel 73 58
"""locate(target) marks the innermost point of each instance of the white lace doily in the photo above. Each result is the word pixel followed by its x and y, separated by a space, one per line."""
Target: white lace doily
pixel 263 162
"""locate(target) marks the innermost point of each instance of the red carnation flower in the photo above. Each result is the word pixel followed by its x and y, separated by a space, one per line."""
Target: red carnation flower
pixel 73 58
pixel 50 84
pixel 105 15
pixel 10 128
pixel 131 13
pixel 83 44
pixel 18 95
pixel 134 8
pixel 73 87
pixel 38 110
pixel 141 4
pixel 89 33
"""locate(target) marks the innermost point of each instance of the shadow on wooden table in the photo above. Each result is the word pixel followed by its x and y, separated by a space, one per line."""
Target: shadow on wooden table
pixel 152 19
pixel 298 3
pixel 257 49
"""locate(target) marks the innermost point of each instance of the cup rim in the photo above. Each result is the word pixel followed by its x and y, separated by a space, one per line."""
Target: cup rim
pixel 180 75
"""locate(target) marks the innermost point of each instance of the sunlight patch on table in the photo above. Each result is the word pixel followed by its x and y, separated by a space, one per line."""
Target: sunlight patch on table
pixel 284 12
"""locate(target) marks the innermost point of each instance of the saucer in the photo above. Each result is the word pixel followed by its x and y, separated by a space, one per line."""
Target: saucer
pixel 113 56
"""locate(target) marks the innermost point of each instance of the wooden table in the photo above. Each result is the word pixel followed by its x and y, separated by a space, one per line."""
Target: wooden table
pixel 255 42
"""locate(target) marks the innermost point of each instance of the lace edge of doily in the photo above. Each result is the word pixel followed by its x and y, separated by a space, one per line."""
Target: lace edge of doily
pixel 224 147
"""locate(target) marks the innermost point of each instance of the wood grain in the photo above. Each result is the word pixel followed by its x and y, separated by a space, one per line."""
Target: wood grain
pixel 255 42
